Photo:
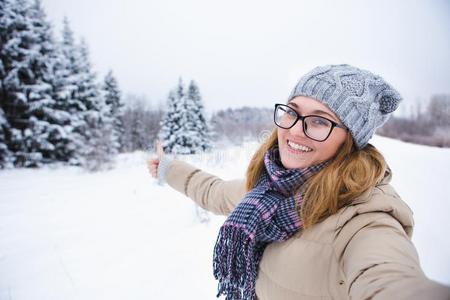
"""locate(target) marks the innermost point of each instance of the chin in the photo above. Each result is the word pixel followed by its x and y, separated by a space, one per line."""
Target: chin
pixel 294 165
pixel 292 161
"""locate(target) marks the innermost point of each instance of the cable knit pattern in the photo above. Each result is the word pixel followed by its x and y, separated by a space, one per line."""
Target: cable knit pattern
pixel 362 100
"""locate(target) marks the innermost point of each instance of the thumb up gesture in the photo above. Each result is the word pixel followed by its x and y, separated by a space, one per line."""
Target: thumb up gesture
pixel 153 163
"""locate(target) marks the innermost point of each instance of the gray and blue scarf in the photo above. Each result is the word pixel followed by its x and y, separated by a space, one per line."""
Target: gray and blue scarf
pixel 267 213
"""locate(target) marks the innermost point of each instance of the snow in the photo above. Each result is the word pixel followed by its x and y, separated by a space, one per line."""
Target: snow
pixel 67 234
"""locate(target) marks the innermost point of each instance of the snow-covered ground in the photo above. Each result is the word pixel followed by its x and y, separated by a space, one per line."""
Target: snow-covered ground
pixel 67 234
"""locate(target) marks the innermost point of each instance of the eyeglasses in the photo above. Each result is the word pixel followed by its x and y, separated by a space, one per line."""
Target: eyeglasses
pixel 315 127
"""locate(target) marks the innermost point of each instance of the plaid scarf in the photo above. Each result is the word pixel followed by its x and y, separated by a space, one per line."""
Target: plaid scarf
pixel 267 213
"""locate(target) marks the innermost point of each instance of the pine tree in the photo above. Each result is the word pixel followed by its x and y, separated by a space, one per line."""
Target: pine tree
pixel 69 76
pixel 113 100
pixel 6 16
pixel 51 107
pixel 201 127
pixel 16 51
pixel 97 125
pixel 186 141
pixel 88 126
pixel 184 129
pixel 6 156
pixel 26 82
pixel 171 121
pixel 64 87
pixel 47 121
pixel 35 132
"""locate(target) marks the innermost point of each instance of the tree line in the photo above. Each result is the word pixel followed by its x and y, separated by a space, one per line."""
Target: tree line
pixel 427 126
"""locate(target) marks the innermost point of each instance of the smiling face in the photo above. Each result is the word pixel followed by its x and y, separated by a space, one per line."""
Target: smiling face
pixel 317 152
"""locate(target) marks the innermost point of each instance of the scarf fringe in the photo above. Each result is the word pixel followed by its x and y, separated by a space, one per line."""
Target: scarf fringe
pixel 235 264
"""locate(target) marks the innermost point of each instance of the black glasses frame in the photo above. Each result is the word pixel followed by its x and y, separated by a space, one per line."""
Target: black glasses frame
pixel 300 117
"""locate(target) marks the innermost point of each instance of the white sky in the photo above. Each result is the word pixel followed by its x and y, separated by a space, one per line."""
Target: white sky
pixel 253 52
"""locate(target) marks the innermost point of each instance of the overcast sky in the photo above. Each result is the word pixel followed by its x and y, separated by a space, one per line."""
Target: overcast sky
pixel 252 52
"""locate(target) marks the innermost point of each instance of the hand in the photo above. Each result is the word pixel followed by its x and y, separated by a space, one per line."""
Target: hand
pixel 153 163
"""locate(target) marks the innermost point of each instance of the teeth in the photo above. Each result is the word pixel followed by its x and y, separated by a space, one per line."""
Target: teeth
pixel 299 147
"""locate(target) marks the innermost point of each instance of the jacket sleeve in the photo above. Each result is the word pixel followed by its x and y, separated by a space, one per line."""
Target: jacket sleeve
pixel 381 262
pixel 208 191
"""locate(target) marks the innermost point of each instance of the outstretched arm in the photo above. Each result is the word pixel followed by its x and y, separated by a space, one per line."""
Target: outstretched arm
pixel 207 190
pixel 380 262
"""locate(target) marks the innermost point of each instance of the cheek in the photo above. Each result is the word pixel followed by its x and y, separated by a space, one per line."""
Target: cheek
pixel 280 135
pixel 333 145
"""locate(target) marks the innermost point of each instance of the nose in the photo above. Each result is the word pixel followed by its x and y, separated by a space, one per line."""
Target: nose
pixel 297 129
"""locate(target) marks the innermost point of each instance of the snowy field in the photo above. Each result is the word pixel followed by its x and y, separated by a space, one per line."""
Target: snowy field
pixel 66 234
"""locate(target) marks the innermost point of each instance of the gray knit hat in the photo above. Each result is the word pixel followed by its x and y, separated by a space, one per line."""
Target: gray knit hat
pixel 362 100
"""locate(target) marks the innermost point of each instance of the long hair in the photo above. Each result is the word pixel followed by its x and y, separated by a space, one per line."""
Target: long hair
pixel 350 173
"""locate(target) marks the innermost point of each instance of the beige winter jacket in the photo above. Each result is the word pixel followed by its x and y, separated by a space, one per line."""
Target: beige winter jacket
pixel 364 251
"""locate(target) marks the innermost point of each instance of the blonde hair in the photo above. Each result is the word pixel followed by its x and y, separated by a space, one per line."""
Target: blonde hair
pixel 350 173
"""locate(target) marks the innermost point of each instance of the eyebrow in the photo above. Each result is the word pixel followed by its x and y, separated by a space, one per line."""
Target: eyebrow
pixel 317 111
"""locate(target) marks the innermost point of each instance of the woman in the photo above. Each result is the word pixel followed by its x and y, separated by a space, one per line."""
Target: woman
pixel 315 217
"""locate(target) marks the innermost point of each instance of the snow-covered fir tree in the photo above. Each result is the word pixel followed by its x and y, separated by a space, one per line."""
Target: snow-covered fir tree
pixel 6 18
pixel 186 139
pixel 87 91
pixel 17 41
pixel 96 130
pixel 27 58
pixel 90 120
pixel 113 99
pixel 51 108
pixel 50 134
pixel 170 123
pixel 183 122
pixel 173 130
pixel 201 127
pixel 64 87
pixel 69 77
pixel 6 156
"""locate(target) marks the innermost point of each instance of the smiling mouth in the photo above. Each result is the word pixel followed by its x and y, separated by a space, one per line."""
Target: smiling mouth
pixel 297 147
